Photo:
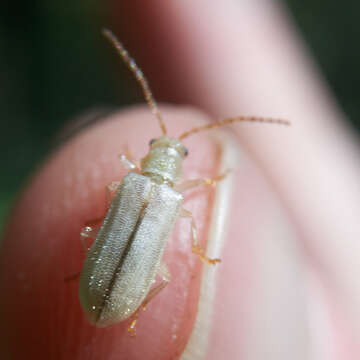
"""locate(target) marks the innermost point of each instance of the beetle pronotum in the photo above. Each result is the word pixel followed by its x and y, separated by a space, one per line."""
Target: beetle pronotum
pixel 121 265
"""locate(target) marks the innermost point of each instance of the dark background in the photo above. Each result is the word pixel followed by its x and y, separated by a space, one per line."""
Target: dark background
pixel 55 64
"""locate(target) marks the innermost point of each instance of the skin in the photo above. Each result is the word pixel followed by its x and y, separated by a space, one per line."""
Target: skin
pixel 66 193
pixel 286 287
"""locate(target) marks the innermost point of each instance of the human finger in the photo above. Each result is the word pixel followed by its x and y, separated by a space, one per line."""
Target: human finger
pixel 246 58
pixel 40 310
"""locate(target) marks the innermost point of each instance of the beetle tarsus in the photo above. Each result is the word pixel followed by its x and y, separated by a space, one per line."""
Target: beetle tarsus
pixel 192 183
pixel 199 251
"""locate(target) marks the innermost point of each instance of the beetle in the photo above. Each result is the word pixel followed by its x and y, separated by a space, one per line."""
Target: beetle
pixel 121 265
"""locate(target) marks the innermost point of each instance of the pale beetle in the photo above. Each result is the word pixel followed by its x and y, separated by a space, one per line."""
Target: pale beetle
pixel 125 257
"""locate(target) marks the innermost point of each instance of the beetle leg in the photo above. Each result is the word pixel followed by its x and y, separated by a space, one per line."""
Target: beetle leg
pixel 111 191
pixel 128 164
pixel 196 248
pixel 128 161
pixel 89 231
pixel 165 275
pixel 91 228
pixel 189 184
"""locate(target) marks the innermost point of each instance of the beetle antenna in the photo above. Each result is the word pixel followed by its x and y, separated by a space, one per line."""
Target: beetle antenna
pixel 130 62
pixel 232 120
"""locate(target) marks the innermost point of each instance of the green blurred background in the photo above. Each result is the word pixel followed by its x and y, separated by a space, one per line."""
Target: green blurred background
pixel 55 64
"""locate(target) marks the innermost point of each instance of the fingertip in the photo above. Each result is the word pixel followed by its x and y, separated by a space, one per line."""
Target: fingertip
pixel 41 311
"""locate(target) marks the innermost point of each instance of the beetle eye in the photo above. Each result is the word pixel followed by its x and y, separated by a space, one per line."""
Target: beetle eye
pixel 152 141
pixel 186 152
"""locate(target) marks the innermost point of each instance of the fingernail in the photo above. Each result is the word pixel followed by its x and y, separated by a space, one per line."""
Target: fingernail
pixel 254 303
pixel 229 161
